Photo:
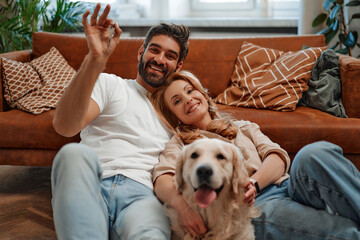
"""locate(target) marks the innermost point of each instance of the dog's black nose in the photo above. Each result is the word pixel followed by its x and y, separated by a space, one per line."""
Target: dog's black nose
pixel 204 173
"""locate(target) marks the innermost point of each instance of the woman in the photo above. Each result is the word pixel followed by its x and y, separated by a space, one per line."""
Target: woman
pixel 319 201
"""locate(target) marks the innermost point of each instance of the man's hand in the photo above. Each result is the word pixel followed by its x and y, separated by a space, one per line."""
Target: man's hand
pixel 101 44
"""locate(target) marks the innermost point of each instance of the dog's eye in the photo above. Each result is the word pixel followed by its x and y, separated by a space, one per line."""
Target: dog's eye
pixel 220 156
pixel 194 155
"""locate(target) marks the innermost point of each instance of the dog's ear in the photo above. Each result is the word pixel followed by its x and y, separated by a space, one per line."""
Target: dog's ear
pixel 179 169
pixel 240 174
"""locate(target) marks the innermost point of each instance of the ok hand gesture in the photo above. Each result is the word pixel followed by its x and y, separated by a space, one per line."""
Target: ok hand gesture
pixel 100 42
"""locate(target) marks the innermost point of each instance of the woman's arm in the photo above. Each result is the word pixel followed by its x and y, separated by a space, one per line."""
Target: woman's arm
pixel 274 160
pixel 189 220
pixel 272 168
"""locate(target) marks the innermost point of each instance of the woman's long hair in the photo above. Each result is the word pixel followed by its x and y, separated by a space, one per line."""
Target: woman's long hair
pixel 220 124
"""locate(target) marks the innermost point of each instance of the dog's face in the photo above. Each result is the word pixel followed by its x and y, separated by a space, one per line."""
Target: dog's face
pixel 209 167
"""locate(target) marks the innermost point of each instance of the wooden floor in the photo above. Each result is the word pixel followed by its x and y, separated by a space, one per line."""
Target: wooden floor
pixel 25 203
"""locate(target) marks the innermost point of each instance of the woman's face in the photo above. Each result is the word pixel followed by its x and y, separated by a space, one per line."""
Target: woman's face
pixel 187 103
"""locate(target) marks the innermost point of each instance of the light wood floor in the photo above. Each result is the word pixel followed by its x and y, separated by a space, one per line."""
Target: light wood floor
pixel 25 203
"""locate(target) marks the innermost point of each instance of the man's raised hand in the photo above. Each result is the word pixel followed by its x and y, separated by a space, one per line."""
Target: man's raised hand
pixel 101 43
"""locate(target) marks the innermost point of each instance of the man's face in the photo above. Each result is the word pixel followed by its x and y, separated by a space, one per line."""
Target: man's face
pixel 159 60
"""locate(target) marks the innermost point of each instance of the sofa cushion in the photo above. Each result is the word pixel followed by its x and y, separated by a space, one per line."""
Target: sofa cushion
pixel 22 130
pixel 269 78
pixel 56 73
pixel 20 79
pixel 304 125
pixel 39 84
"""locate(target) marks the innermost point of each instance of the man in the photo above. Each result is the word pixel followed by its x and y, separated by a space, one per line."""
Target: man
pixel 102 187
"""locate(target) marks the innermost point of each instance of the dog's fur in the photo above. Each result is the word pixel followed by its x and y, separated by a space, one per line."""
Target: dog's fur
pixel 227 217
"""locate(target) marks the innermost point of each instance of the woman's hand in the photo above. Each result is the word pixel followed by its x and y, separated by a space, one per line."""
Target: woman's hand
pixel 189 220
pixel 250 193
pixel 101 43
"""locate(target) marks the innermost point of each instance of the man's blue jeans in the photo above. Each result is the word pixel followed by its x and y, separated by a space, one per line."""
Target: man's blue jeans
pixel 320 200
pixel 88 207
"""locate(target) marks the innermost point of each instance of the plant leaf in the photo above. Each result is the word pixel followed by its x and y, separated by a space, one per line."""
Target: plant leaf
pixel 334 46
pixel 349 40
pixel 335 11
pixel 325 30
pixel 353 3
pixel 327 4
pixel 343 51
pixel 355 35
pixel 356 15
pixel 335 25
pixel 319 19
pixel 329 36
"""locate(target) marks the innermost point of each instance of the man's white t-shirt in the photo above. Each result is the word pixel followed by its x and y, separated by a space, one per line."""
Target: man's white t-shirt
pixel 127 136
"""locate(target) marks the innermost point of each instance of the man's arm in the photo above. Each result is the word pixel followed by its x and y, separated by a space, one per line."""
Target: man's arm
pixel 76 109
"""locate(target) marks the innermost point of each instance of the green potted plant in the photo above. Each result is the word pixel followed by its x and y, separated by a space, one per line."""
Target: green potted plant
pixel 20 18
pixel 65 17
pixel 336 25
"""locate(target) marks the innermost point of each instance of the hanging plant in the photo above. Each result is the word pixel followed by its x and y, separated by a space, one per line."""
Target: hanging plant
pixel 336 25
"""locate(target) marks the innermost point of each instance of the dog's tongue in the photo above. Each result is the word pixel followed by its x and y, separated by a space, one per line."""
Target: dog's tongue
pixel 204 196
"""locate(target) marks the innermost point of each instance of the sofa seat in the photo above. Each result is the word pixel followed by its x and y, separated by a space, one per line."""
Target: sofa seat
pixel 303 126
pixel 29 140
pixel 36 131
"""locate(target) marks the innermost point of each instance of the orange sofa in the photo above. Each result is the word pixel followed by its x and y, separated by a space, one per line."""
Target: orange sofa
pixel 27 139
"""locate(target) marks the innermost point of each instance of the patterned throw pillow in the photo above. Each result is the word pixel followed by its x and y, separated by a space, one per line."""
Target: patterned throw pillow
pixel 269 78
pixel 56 74
pixel 37 86
pixel 19 80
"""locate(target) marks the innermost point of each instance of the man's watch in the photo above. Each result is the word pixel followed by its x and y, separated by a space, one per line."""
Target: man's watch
pixel 255 183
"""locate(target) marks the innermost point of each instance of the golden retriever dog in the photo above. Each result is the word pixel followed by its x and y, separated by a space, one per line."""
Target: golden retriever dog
pixel 211 176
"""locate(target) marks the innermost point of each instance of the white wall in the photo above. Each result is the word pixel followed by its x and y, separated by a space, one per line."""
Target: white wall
pixel 354 25
pixel 309 9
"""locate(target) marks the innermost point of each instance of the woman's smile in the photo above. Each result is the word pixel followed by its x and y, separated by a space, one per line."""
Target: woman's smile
pixel 193 108
pixel 187 103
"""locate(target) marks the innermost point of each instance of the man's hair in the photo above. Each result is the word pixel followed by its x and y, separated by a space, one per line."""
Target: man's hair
pixel 179 33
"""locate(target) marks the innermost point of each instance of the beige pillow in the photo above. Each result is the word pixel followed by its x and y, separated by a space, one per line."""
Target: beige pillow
pixel 37 86
pixel 269 78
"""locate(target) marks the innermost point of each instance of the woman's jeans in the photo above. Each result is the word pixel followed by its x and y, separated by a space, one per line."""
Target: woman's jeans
pixel 87 207
pixel 320 200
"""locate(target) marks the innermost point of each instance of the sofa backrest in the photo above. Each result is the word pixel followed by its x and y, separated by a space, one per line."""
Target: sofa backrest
pixel 212 60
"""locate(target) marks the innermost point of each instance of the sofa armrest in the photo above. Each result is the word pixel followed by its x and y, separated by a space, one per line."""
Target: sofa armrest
pixel 350 83
pixel 20 56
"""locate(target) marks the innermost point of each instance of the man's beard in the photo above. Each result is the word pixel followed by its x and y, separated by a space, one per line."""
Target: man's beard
pixel 149 78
